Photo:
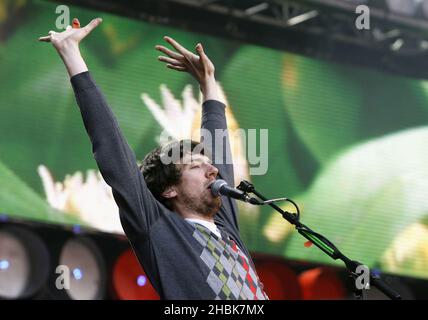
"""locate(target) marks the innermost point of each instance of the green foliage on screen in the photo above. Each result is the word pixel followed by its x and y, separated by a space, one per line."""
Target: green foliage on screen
pixel 347 143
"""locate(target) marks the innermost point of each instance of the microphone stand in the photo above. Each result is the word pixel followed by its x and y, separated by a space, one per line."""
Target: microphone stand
pixel 322 243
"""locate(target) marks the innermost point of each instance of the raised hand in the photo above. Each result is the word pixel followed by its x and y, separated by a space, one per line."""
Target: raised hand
pixel 71 37
pixel 198 65
pixel 67 44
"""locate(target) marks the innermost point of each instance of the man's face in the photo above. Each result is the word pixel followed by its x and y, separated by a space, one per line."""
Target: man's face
pixel 193 190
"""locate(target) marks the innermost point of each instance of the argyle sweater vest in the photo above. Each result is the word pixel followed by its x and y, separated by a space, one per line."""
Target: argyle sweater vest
pixel 232 275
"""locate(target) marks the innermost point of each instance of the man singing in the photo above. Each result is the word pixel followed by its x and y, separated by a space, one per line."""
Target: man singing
pixel 186 239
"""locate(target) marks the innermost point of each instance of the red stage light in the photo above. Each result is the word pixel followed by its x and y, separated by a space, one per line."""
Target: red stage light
pixel 280 282
pixel 321 284
pixel 130 281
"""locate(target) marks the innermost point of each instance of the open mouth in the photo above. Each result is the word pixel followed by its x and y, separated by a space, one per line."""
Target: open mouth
pixel 209 185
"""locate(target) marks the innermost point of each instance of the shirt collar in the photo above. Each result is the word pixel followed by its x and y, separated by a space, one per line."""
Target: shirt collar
pixel 211 226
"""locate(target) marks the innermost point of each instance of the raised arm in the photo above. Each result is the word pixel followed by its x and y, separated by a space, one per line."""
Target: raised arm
pixel 114 157
pixel 67 45
pixel 213 108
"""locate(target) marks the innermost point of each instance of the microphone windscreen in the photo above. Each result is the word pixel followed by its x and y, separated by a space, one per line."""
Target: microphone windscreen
pixel 216 186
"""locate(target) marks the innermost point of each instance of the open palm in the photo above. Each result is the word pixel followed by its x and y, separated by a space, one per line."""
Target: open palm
pixel 198 65
pixel 71 36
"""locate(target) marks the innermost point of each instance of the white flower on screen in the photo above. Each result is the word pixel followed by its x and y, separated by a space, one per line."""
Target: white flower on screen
pixel 175 117
pixel 89 198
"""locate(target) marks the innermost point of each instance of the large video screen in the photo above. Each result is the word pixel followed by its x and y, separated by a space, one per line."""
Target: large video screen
pixel 349 145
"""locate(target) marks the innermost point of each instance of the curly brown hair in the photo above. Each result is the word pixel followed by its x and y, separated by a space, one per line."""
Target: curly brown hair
pixel 160 175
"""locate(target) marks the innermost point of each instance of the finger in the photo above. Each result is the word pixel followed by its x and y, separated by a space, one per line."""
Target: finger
pixel 76 23
pixel 178 68
pixel 170 61
pixel 177 46
pixel 170 53
pixel 92 25
pixel 200 50
pixel 201 53
pixel 45 39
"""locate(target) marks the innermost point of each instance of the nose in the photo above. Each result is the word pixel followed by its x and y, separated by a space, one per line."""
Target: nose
pixel 211 171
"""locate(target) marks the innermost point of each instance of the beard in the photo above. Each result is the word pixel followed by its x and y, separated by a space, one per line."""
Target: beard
pixel 205 204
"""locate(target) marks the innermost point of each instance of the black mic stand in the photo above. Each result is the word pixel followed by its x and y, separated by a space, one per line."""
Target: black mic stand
pixel 322 243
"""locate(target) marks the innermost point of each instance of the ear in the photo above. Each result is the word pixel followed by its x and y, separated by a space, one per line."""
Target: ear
pixel 169 193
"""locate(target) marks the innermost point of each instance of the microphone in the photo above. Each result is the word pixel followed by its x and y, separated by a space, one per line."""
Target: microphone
pixel 220 187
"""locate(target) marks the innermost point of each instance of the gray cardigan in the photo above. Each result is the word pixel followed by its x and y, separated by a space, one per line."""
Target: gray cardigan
pixel 182 260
